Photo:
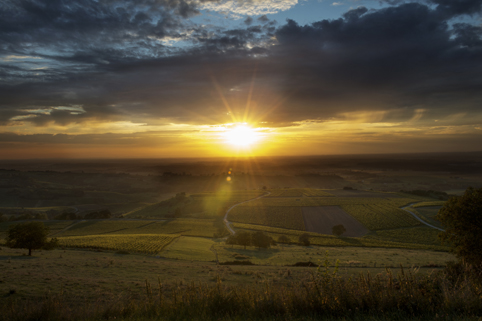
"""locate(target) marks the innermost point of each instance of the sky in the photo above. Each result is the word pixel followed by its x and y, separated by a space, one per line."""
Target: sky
pixel 207 78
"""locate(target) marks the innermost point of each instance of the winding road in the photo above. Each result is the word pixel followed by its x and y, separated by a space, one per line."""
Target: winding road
pixel 226 222
pixel 405 208
pixel 418 218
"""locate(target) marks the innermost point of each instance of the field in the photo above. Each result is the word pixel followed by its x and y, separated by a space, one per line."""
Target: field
pixel 298 192
pixel 156 257
pixel 191 227
pixel 427 211
pixel 290 217
pixel 190 249
pixel 419 235
pixel 200 205
pixel 127 255
pixel 349 257
pixel 144 243
pixel 367 213
pixel 370 240
pixel 330 201
pixel 380 216
pixel 322 219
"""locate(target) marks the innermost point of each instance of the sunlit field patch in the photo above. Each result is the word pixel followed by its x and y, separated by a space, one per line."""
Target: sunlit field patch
pixel 145 243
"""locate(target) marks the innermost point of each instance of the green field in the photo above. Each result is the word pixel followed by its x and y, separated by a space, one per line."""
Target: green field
pixel 329 201
pixel 373 213
pixel 381 215
pixel 289 217
pixel 298 192
pixel 192 227
pixel 143 243
pixel 200 205
pixel 190 248
pixel 371 240
pixel 348 256
pixel 419 235
pixel 279 214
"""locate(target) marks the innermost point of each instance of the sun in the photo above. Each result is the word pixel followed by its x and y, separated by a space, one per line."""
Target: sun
pixel 241 136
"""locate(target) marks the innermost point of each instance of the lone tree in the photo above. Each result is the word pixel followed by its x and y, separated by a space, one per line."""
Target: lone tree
pixel 462 219
pixel 304 239
pixel 31 236
pixel 338 230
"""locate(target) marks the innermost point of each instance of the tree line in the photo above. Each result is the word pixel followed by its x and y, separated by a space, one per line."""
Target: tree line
pixel 261 240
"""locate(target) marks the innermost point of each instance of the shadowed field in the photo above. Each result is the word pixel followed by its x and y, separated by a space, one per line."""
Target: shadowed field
pixel 322 219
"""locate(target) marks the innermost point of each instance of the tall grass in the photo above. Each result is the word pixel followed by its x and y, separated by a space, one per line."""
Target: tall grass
pixel 325 295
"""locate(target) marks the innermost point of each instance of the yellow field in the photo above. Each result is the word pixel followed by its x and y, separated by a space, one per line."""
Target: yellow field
pixel 145 243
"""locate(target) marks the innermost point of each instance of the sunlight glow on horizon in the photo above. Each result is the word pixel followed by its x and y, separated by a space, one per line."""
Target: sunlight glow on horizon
pixel 241 135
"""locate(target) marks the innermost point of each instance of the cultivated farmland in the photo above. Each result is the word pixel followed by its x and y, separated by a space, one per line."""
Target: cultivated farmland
pixel 299 192
pixel 289 217
pixel 322 219
pixel 191 227
pixel 146 243
pixel 377 216
pixel 373 213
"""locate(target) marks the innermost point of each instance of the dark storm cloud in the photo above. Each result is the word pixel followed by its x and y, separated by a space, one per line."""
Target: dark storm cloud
pixel 84 28
pixel 404 57
pixel 401 56
pixel 458 7
pixel 449 8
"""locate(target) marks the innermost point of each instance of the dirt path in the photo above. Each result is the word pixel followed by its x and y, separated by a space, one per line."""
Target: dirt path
pixel 418 218
pixel 68 227
pixel 226 222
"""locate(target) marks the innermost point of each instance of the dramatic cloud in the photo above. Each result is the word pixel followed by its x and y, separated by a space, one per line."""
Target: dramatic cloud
pixel 151 61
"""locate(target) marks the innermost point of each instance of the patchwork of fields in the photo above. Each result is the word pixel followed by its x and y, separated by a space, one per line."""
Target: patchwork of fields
pixel 371 219
pixel 290 217
pixel 188 227
pixel 299 192
pixel 366 213
pixel 200 205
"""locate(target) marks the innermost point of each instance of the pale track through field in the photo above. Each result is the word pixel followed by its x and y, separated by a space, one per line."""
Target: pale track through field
pixel 226 222
pixel 68 227
pixel 418 218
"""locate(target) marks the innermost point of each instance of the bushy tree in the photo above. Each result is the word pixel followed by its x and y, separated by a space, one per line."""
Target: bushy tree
pixel 283 239
pixel 243 238
pixel 31 236
pixel 338 230
pixel 66 216
pixel 462 219
pixel 103 214
pixel 261 240
pixel 304 239
pixel 231 240
pixel 178 212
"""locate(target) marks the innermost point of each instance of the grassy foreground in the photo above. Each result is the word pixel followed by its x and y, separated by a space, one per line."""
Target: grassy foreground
pixel 324 296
